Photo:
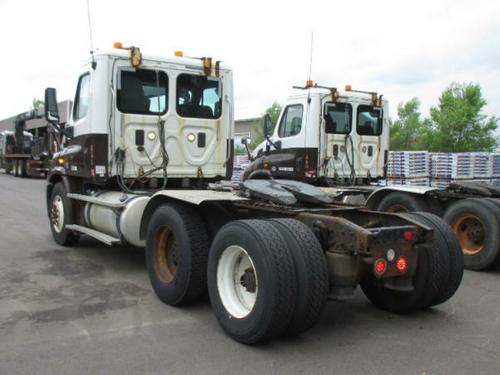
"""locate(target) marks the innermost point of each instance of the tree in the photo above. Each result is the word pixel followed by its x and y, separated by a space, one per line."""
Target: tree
pixel 273 111
pixel 409 131
pixel 458 122
pixel 37 104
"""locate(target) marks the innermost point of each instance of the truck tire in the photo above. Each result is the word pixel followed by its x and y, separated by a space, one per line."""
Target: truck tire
pixel 429 281
pixel 403 202
pixel 476 223
pixel 60 215
pixel 495 201
pixel 252 281
pixel 176 254
pixel 311 271
pixel 448 245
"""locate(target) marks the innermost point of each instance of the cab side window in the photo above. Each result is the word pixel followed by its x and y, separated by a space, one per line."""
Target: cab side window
pixel 291 121
pixel 82 97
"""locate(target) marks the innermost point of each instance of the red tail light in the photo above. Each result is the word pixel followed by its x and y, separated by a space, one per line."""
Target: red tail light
pixel 380 266
pixel 408 235
pixel 402 264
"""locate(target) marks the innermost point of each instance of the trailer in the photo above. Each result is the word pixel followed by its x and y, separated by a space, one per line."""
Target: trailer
pixel 339 141
pixel 146 162
pixel 22 153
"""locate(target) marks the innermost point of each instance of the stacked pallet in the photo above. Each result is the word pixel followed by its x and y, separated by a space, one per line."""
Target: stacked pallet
pixel 442 168
pixel 240 163
pixel 408 168
pixel 482 164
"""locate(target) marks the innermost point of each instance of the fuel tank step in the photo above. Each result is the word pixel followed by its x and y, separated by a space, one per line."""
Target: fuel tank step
pixel 108 240
pixel 96 200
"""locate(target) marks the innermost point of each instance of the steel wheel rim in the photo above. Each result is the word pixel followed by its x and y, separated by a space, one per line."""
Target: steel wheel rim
pixel 470 232
pixel 165 255
pixel 237 282
pixel 57 214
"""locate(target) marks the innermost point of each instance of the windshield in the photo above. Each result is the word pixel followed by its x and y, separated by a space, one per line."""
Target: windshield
pixel 369 120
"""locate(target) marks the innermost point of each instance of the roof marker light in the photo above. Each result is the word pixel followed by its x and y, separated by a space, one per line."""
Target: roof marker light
pixel 348 88
pixel 179 54
pixel 117 45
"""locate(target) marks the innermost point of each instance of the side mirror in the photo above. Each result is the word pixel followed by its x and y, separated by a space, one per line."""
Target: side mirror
pixel 267 126
pixel 51 111
pixel 245 141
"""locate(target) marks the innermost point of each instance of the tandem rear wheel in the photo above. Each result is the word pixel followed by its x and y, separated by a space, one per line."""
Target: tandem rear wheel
pixel 266 278
pixel 476 223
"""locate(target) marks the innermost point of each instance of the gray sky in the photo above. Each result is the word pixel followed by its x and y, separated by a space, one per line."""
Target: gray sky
pixel 401 49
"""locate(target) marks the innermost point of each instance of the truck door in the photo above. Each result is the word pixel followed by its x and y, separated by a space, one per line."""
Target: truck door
pixel 293 159
pixel 369 124
pixel 337 124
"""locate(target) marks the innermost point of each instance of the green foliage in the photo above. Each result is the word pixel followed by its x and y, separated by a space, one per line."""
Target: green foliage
pixel 273 111
pixel 239 150
pixel 37 104
pixel 459 124
pixel 409 131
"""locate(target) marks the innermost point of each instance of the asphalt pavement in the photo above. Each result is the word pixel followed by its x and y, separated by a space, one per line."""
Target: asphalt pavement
pixel 90 309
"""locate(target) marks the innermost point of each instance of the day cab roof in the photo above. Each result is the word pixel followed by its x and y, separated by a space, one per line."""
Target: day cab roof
pixel 124 54
pixel 325 92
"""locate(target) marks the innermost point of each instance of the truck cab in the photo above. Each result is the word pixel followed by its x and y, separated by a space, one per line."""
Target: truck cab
pixel 323 133
pixel 129 109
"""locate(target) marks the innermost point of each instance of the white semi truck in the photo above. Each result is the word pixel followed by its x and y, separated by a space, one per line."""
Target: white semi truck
pixel 147 149
pixel 339 140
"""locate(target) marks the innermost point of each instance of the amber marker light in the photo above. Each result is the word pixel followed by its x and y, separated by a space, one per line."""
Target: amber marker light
pixel 117 45
pixel 348 88
pixel 179 54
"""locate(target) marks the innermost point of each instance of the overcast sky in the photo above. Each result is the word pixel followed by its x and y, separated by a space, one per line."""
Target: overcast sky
pixel 401 49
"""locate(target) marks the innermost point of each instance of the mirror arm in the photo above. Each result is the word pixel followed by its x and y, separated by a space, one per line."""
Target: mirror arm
pixel 249 154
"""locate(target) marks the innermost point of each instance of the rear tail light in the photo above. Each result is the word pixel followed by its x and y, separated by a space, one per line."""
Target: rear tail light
pixel 380 266
pixel 408 235
pixel 402 264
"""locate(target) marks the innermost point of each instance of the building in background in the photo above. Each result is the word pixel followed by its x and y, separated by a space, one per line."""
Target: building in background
pixel 244 128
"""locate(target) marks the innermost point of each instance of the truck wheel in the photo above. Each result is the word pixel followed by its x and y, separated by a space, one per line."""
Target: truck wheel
pixel 495 201
pixel 311 271
pixel 429 281
pixel 176 253
pixel 60 215
pixel 252 281
pixel 403 202
pixel 448 245
pixel 476 223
